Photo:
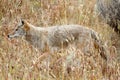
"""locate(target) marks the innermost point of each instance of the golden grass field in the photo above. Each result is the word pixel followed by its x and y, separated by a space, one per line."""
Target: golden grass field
pixel 20 61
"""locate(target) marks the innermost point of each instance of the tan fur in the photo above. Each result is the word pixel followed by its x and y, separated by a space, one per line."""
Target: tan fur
pixel 26 26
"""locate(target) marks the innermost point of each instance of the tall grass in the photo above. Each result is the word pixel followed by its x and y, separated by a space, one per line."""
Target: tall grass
pixel 20 61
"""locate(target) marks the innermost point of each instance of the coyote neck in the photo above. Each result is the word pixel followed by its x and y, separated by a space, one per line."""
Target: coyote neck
pixel 36 36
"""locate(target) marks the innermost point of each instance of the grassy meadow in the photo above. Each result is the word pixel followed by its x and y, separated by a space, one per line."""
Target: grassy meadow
pixel 20 61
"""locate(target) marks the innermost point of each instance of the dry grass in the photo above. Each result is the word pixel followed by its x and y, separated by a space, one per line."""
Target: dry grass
pixel 20 61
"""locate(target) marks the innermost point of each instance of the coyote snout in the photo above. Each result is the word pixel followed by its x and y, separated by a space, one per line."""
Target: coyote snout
pixel 57 37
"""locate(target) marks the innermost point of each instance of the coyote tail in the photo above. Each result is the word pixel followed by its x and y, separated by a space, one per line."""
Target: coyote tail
pixel 99 45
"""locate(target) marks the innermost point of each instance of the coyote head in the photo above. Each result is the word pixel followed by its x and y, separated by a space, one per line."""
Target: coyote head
pixel 21 30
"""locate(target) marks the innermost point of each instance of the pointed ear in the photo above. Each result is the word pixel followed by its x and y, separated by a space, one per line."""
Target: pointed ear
pixel 22 21
pixel 26 25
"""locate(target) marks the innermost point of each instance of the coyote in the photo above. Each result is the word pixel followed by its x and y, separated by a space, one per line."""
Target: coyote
pixel 55 38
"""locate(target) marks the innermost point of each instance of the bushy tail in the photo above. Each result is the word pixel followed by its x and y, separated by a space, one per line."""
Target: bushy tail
pixel 99 45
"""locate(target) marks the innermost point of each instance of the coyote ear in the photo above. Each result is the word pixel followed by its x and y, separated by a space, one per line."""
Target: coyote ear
pixel 26 25
pixel 22 21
